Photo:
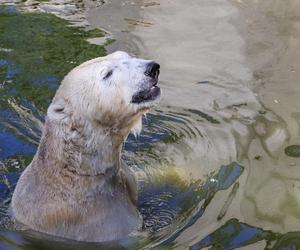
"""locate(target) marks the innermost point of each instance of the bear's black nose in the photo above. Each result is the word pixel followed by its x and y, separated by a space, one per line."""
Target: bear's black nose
pixel 152 70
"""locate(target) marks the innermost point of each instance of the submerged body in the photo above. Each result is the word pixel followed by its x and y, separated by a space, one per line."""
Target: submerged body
pixel 77 186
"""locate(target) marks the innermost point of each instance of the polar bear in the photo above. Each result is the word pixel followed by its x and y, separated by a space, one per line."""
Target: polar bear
pixel 77 186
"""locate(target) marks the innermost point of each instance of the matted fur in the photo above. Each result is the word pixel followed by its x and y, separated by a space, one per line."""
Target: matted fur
pixel 77 186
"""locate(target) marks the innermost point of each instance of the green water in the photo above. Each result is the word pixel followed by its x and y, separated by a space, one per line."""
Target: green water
pixel 36 51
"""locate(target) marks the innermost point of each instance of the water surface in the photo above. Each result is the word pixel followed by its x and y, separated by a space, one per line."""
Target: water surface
pixel 213 162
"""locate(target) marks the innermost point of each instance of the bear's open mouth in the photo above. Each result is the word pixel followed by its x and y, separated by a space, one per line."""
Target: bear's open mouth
pixel 146 95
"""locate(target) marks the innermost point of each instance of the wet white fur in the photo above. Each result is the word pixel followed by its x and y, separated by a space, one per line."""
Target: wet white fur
pixel 77 185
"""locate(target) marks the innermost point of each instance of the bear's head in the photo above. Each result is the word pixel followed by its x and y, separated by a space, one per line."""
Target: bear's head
pixel 113 91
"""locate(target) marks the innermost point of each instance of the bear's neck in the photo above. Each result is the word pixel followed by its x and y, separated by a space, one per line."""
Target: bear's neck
pixel 84 149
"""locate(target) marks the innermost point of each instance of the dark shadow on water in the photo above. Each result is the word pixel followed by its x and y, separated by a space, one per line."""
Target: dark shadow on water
pixel 232 235
pixel 36 51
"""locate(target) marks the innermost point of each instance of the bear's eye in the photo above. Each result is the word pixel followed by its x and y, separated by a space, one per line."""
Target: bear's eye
pixel 108 74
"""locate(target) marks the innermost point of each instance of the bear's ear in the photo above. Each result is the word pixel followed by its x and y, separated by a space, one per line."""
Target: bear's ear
pixel 137 127
pixel 57 110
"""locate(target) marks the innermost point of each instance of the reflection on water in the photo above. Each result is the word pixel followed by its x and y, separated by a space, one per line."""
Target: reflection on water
pixel 234 234
pixel 195 201
pixel 212 162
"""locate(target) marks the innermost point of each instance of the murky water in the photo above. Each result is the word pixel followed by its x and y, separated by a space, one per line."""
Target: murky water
pixel 212 161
